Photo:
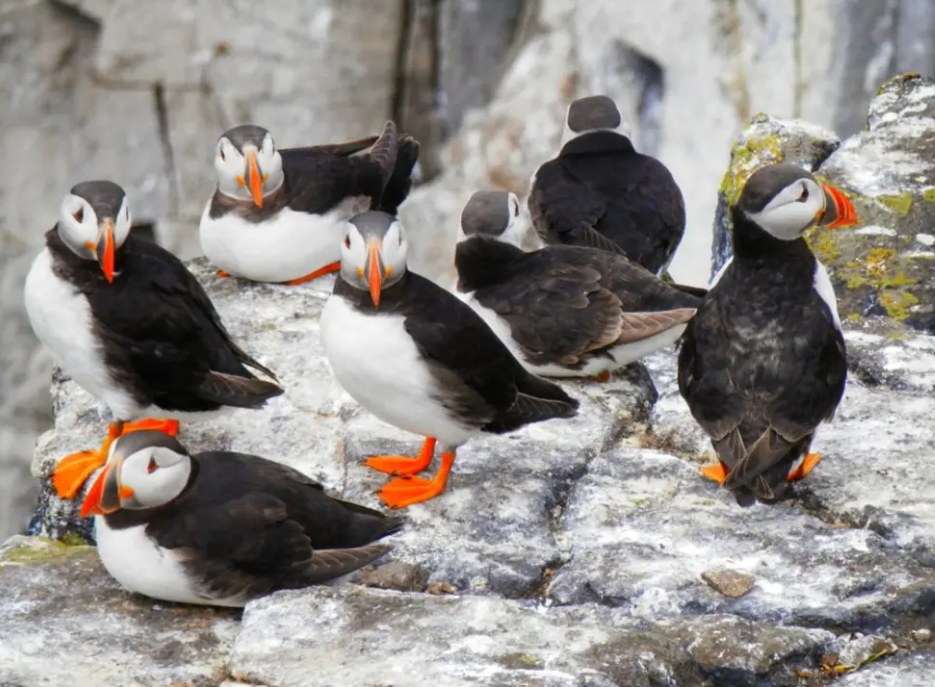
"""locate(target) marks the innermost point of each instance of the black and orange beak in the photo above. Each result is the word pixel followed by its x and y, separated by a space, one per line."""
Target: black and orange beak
pixel 375 272
pixel 104 250
pixel 106 493
pixel 253 179
pixel 838 212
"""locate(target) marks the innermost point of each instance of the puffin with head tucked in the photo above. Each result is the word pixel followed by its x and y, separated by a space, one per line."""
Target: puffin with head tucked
pixel 221 528
pixel 129 323
pixel 564 311
pixel 763 362
pixel 600 192
pixel 418 358
pixel 278 215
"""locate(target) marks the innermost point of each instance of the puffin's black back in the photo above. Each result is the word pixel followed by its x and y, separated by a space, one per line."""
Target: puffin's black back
pixel 763 352
pixel 161 335
pixel 486 384
pixel 599 181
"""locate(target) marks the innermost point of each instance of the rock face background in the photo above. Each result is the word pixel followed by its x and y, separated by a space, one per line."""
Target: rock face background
pixel 139 92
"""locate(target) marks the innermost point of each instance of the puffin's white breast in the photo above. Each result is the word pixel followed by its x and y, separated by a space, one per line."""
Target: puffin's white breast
pixel 822 284
pixel 374 358
pixel 62 319
pixel 286 246
pixel 137 563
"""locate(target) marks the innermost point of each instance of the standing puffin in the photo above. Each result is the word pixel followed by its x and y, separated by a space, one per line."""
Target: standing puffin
pixel 278 215
pixel 220 528
pixel 563 311
pixel 600 192
pixel 763 363
pixel 125 319
pixel 418 358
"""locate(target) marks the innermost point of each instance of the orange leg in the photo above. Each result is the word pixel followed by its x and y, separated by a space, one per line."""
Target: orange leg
pixel 222 273
pixel 405 491
pixel 602 377
pixel 718 472
pixel 403 465
pixel 801 472
pixel 73 471
pixel 327 269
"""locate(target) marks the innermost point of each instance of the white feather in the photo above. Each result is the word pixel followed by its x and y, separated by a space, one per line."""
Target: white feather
pixel 376 361
pixel 289 245
pixel 822 284
pixel 138 564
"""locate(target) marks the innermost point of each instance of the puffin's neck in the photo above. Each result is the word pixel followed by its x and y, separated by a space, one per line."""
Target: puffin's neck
pixel 483 261
pixel 78 270
pixel 602 141
pixel 753 243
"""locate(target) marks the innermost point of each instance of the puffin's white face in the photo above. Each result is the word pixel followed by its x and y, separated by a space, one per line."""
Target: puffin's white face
pixel 147 478
pixel 793 210
pixel 250 173
pixel 493 214
pixel 91 229
pixel 373 253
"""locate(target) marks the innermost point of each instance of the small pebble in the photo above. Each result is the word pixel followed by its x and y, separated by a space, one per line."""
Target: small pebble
pixel 442 588
pixel 403 577
pixel 922 635
pixel 730 583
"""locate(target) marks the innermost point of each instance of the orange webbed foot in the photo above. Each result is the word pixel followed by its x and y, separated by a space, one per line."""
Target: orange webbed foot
pixel 327 269
pixel 170 427
pixel 801 472
pixel 405 491
pixel 222 273
pixel 602 377
pixel 717 473
pixel 403 465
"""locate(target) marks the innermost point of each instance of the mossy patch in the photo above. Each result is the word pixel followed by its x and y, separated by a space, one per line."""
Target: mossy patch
pixel 521 661
pixel 750 152
pixel 39 550
pixel 900 203
pixel 928 195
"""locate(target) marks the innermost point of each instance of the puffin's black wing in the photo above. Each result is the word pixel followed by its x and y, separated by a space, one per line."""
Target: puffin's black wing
pixel 483 382
pixel 318 180
pixel 249 525
pixel 566 211
pixel 400 181
pixel 164 336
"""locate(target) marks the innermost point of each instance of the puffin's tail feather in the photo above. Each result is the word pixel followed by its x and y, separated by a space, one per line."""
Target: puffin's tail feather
pixel 400 182
pixel 537 400
pixel 330 563
pixel 237 392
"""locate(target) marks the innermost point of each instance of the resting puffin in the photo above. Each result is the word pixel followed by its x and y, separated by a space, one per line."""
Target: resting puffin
pixel 600 192
pixel 220 528
pixel 125 319
pixel 563 311
pixel 278 215
pixel 418 358
pixel 763 362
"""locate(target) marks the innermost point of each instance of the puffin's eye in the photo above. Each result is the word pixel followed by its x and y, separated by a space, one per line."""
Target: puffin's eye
pixel 79 214
pixel 516 210
pixel 222 155
pixel 347 241
pixel 153 465
pixel 804 197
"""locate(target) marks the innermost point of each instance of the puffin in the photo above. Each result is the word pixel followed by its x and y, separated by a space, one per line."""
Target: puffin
pixel 418 358
pixel 763 362
pixel 132 326
pixel 600 192
pixel 563 311
pixel 220 528
pixel 278 215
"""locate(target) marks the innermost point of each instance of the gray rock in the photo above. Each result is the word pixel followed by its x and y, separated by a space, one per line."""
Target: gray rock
pixel 729 582
pixel 64 621
pixel 901 671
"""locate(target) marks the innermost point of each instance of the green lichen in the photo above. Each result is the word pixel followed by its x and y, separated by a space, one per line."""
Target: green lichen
pixel 901 203
pixel 898 304
pixel 521 661
pixel 928 195
pixel 750 152
pixel 73 539
pixel 38 550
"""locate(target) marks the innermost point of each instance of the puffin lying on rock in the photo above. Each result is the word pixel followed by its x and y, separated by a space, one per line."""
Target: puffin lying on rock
pixel 278 215
pixel 418 358
pixel 763 362
pixel 129 323
pixel 599 192
pixel 221 528
pixel 563 311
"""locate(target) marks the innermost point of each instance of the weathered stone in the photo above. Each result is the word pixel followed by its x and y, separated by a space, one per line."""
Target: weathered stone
pixel 901 671
pixel 403 577
pixel 64 621
pixel 729 582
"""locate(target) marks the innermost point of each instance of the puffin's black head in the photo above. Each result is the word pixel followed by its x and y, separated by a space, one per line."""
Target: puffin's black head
pixel 373 254
pixel 145 469
pixel 785 200
pixel 94 221
pixel 491 213
pixel 248 166
pixel 593 113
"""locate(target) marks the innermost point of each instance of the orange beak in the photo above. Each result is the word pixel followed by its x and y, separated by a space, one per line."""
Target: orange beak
pixel 844 214
pixel 374 272
pixel 255 181
pixel 105 250
pixel 103 496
